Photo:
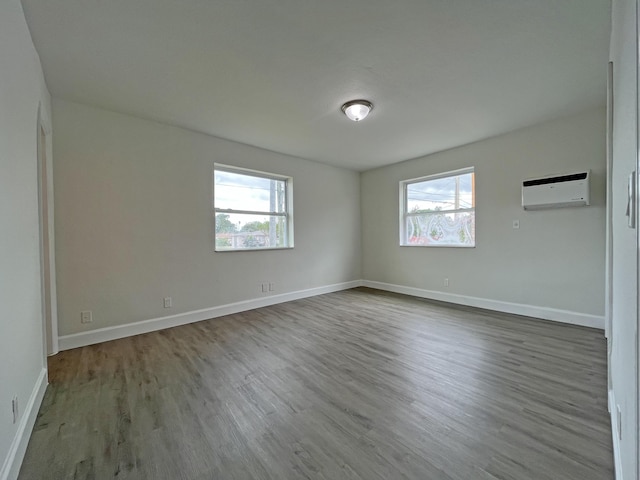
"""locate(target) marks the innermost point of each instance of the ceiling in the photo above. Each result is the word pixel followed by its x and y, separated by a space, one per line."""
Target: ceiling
pixel 274 73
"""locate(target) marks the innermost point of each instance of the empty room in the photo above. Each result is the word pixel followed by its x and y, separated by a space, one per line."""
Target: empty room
pixel 319 240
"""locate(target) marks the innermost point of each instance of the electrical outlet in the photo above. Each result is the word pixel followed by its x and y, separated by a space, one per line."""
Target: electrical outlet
pixel 265 287
pixel 14 409
pixel 272 287
pixel 446 282
pixel 168 303
pixel 86 316
pixel 516 224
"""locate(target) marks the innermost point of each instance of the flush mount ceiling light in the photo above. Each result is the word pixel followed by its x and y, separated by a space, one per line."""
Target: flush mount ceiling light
pixel 357 110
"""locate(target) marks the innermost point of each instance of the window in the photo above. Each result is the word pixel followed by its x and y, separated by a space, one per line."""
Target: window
pixel 253 209
pixel 439 210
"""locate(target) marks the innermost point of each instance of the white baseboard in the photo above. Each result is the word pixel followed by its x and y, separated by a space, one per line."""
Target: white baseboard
pixel 615 435
pixel 13 462
pixel 82 339
pixel 91 337
pixel 565 316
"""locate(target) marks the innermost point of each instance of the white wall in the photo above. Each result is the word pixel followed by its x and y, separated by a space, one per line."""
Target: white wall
pixel 625 286
pixel 555 260
pixel 22 93
pixel 134 221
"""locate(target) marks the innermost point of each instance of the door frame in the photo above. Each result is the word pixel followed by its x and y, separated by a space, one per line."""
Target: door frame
pixel 47 234
pixel 609 228
pixel 637 219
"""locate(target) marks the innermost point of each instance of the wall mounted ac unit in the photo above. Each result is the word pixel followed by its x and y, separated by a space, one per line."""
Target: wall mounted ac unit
pixel 570 190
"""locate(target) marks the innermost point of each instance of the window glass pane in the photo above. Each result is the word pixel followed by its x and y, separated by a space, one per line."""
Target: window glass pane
pixel 237 191
pixel 242 231
pixel 252 210
pixel 448 193
pixel 441 229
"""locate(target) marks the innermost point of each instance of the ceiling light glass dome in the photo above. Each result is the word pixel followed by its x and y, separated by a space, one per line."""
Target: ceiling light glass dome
pixel 357 110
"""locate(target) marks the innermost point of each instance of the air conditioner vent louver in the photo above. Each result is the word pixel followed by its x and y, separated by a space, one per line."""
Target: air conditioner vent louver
pixel 571 190
pixel 562 178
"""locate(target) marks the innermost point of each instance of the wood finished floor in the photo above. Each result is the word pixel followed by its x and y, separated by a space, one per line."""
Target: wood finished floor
pixel 351 385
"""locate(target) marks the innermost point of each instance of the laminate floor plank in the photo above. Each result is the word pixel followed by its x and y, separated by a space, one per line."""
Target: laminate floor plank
pixel 354 385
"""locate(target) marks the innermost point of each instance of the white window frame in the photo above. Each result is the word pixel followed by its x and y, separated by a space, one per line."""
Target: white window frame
pixel 287 214
pixel 404 214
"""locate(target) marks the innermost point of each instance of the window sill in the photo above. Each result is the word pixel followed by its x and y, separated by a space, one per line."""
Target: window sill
pixel 251 249
pixel 438 246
